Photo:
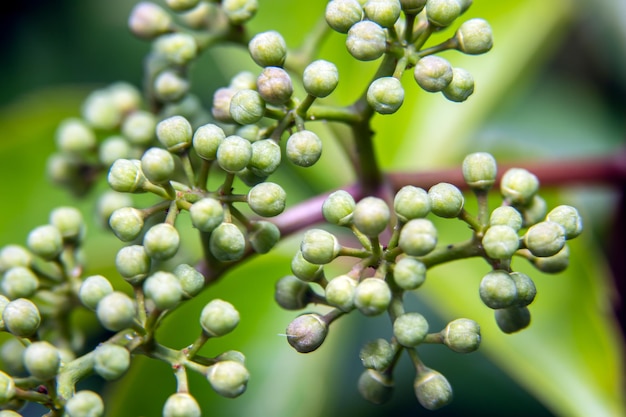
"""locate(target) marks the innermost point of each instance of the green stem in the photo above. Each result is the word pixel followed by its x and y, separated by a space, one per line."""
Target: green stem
pixel 203 175
pixel 187 167
pixel 452 252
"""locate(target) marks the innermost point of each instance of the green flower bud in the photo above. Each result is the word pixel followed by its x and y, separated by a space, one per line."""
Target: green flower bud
pixel 526 290
pixel 234 153
pixel 21 317
pixel 340 292
pixel 307 332
pixel 442 12
pixel 45 241
pixel 111 361
pixel 474 37
pixel 148 20
pixel 176 48
pixel 93 289
pixel 383 12
pixel 338 208
pixel 125 176
pixel 182 5
pixel 232 355
pixel 126 223
pixel 319 247
pixel 506 216
pixel 418 237
pixel 341 15
pixel 251 133
pixel 409 273
pixel 19 282
pixel 239 11
pixel 158 165
pixel 377 354
pixel 500 242
pixel 371 216
pixel 462 335
pixel 519 186
pixel 139 127
pixel 265 158
pixel 3 303
pixel 101 111
pixel 446 200
pixel 84 403
pixel 164 289
pixel 206 214
pixel 412 6
pixel 127 97
pixel 432 389
pixel 197 17
pixel 228 378
pixel 433 73
pixel 375 387
pixel 479 170
pixel 75 137
pixel 116 311
pixel 169 86
pixel 410 329
pixel 247 107
pixel 305 270
pixel 175 133
pixel 385 95
pixel 11 353
pixel 133 263
pixel 218 318
pixel 244 80
pixel 568 218
pixel 181 404
pixel 161 241
pixel 221 104
pixel 545 238
pixel 42 360
pixel 465 4
pixel 267 199
pixel 533 212
pixel 191 281
pixel 411 203
pixel 291 293
pixel 274 85
pixel 366 41
pixel 7 388
pixel 320 78
pixel 498 290
pixel 512 319
pixel 108 202
pixel 227 243
pixel 372 296
pixel 263 236
pixel 14 255
pixel 268 49
pixel 555 263
pixel 113 148
pixel 206 141
pixel 461 86
pixel 304 148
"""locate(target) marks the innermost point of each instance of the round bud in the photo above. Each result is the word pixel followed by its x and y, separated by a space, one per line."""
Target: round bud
pixel 512 319
pixel 305 270
pixel 14 255
pixel 113 148
pixel 221 104
pixel 125 176
pixel 21 317
pixel 274 85
pixel 175 133
pixel 526 290
pixel 127 97
pixel 181 404
pixel 191 281
pixel 19 282
pixel 292 293
pixel 84 404
pixel 432 389
pixel 410 329
pixel 101 111
pixel 206 214
pixel 555 263
pixel 75 137
pixel 385 95
pixel 462 335
pixel 148 20
pixel 267 199
pixel 474 37
pixel 568 218
pixel 304 148
pixel 268 49
pixel 247 107
pixel 372 296
pixel 234 153
pixel 320 78
pixel 93 289
pixel 228 378
pixel 227 243
pixel 383 12
pixel 375 386
pixel 461 86
pixel 244 80
pixel 177 48
pixel 126 223
pixel 409 273
pixel 371 216
pixel 498 290
pixel 111 361
pixel 265 158
pixel 45 241
pixel 11 353
pixel 545 238
pixel 377 354
pixel 366 41
pixel 139 127
pixel 182 5
pixel 500 242
pixel 158 165
pixel 169 86
pixel 69 221
pixel 341 15
pixel 446 200
pixel 7 388
pixel 161 241
pixel 206 141
pixel 411 202
pixel 433 73
pixel 479 170
pixel 307 332
pixel 519 186
pixel 418 237
pixel 263 236
pixel 319 246
pixel 116 311
pixel 133 263
pixel 412 6
pixel 108 202
pixel 164 289
pixel 251 133
pixel 338 208
pixel 533 212
pixel 442 12
pixel 340 292
pixel 506 216
pixel 239 11
pixel 42 360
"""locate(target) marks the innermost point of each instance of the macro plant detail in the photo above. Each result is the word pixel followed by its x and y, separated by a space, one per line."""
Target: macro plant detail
pixel 215 167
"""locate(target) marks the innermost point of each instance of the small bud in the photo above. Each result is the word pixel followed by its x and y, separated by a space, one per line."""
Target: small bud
pixel 371 216
pixel 108 202
pixel 206 141
pixel 45 241
pixel 519 186
pixel 366 41
pixel 139 127
pixel 221 104
pixel 111 361
pixel 227 243
pixel 158 165
pixel 175 133
pixel 206 214
pixel 319 246
pixel 21 317
pixel 14 255
pixel 191 281
pixel 375 387
pixel 182 5
pixel 410 329
pixel 383 12
pixel 126 223
pixel 84 404
pixel 75 137
pixel 176 48
pixel 307 332
pixel 500 242
pixel 101 111
pixel 462 335
pixel 304 148
pixel 442 12
pixel 446 200
pixel 291 293
pixel 19 282
pixel 372 296
pixel 234 153
pixel 133 263
pixel 555 263
pixel 181 404
pixel 461 86
pixel 411 203
pixel 474 37
pixel 218 318
pixel 433 73
pixel 247 107
pixel 305 270
pixel 533 212
pixel 11 353
pixel 164 289
pixel 512 319
pixel 506 216
pixel 93 289
pixel 268 49
pixel 116 311
pixel 385 95
pixel 568 218
pixel 432 389
pixel 113 148
pixel 265 158
pixel 263 236
pixel 170 86
pixel 341 15
pixel 545 238
pixel 418 237
pixel 42 360
pixel 125 176
pixel 412 6
pixel 228 378
pixel 161 241
pixel 127 97
pixel 239 11
pixel 409 273
pixel 274 85
pixel 338 208
pixel 7 388
pixel 148 20
pixel 479 170
pixel 377 354
pixel 320 78
pixel 340 292
pixel 267 199
pixel 498 290
pixel 526 290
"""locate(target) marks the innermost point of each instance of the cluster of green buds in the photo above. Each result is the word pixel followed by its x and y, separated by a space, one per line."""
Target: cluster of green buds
pixel 398 244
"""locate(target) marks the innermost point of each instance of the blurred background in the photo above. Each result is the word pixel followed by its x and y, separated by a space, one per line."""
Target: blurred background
pixel 552 89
